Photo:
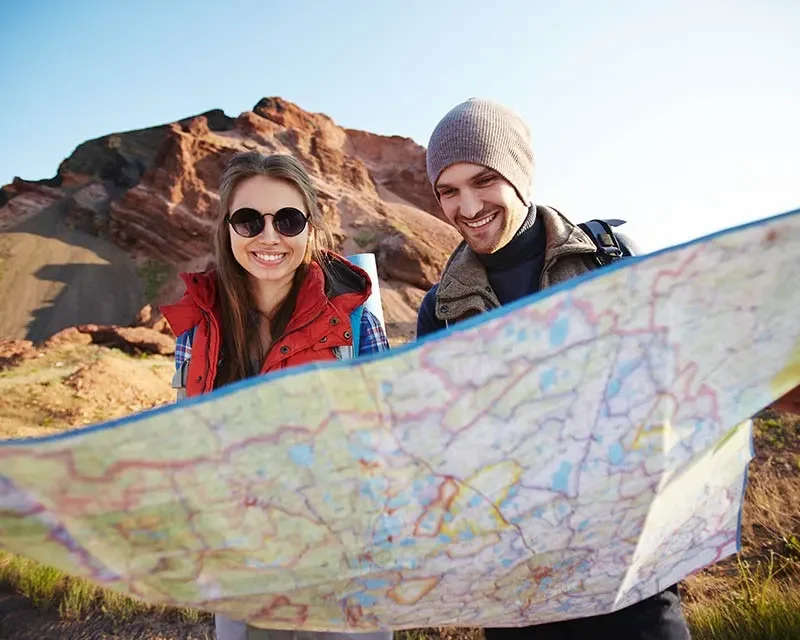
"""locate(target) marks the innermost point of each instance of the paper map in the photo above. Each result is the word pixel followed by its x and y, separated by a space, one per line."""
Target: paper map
pixel 561 457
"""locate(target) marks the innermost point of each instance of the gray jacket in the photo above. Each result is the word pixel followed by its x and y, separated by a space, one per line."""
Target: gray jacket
pixel 464 289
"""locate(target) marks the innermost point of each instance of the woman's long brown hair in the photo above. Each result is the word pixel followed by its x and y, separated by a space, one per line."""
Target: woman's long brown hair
pixel 235 298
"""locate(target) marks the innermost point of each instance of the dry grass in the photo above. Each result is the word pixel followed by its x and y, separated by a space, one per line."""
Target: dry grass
pixel 74 385
pixel 74 598
pixel 762 603
pixel 757 593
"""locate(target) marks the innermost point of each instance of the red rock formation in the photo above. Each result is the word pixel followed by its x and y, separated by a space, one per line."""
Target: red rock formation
pixel 398 166
pixel 12 352
pixel 22 199
pixel 152 318
pixel 153 193
pixel 131 340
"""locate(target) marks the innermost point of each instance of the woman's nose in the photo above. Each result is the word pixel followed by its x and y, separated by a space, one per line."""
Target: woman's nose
pixel 269 234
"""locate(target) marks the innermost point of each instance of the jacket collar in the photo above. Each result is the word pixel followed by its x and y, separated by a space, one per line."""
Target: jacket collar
pixel 464 287
pixel 342 283
pixel 197 302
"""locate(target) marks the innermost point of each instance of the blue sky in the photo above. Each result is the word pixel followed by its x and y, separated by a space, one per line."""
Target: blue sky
pixel 681 117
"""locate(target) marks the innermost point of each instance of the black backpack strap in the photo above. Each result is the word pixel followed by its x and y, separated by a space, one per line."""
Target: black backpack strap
pixel 609 248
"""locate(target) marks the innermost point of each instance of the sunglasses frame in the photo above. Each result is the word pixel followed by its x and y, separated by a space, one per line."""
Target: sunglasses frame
pixel 229 220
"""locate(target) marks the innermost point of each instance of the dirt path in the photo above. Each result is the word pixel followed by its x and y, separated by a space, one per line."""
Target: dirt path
pixel 53 277
pixel 21 620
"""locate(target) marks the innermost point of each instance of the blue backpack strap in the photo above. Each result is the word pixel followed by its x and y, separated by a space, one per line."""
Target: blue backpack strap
pixel 609 248
pixel 355 327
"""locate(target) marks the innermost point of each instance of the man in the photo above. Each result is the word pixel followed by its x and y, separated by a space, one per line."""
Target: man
pixel 480 163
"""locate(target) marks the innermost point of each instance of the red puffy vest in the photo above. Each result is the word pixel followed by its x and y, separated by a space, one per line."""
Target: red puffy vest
pixel 320 322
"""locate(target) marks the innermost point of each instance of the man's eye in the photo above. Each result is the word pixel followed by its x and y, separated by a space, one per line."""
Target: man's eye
pixel 486 180
pixel 447 192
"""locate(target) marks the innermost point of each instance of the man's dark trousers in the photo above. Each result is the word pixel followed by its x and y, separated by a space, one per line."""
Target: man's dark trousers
pixel 656 618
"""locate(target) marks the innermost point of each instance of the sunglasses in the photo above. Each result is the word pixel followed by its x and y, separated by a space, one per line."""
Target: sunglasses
pixel 249 223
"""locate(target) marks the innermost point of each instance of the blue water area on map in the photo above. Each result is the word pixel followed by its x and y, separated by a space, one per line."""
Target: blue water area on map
pixel 616 454
pixel 362 453
pixel 373 487
pixel 561 477
pixel 559 332
pixel 375 584
pixel 364 599
pixel 400 500
pixel 428 523
pixel 548 380
pixel 509 498
pixel 624 370
pixel 627 368
pixel 302 454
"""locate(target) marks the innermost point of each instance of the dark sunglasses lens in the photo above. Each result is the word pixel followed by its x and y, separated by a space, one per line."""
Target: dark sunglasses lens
pixel 290 221
pixel 247 222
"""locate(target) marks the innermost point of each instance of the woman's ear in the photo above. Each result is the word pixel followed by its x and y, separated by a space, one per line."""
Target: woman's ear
pixel 310 243
pixel 312 237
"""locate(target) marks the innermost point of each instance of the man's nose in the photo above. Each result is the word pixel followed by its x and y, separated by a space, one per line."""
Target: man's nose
pixel 470 205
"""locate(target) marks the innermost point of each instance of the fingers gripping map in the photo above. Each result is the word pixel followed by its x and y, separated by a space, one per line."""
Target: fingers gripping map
pixel 562 457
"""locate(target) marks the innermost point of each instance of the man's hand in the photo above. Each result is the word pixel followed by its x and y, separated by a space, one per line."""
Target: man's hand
pixel 789 403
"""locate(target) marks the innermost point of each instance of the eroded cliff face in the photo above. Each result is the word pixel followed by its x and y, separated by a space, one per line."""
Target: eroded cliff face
pixel 152 193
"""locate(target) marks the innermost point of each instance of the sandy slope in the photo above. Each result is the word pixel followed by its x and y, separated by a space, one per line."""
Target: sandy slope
pixel 53 277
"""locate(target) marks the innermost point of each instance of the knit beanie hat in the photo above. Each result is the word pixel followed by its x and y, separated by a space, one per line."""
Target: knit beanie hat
pixel 485 133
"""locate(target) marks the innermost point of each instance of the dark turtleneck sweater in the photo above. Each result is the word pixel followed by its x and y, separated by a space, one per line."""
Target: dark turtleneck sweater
pixel 514 271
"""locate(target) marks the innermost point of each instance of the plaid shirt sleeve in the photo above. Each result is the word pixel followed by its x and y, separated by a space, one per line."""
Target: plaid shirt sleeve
pixel 183 348
pixel 373 339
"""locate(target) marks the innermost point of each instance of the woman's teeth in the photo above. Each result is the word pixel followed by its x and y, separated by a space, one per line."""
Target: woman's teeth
pixel 482 222
pixel 269 257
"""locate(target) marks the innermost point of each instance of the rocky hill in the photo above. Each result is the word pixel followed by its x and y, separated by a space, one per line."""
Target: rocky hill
pixel 107 235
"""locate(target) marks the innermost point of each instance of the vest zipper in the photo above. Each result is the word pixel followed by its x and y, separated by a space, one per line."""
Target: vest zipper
pixel 208 351
pixel 295 330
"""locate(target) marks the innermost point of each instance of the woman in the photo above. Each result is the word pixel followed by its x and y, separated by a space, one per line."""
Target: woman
pixel 276 298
